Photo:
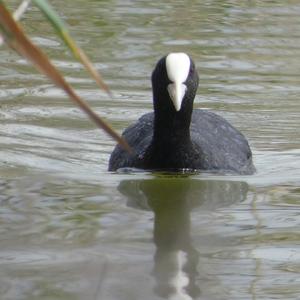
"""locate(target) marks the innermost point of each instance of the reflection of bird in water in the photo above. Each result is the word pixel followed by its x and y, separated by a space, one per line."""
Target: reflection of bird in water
pixel 176 259
pixel 176 283
pixel 172 199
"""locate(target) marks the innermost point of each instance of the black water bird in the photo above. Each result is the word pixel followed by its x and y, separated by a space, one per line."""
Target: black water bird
pixel 176 137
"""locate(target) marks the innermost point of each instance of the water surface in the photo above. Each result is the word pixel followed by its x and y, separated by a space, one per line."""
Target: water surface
pixel 71 230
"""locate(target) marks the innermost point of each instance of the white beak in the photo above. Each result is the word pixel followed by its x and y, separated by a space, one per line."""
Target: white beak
pixel 177 92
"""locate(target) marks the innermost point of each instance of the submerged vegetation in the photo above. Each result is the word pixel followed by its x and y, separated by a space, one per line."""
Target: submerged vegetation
pixel 12 34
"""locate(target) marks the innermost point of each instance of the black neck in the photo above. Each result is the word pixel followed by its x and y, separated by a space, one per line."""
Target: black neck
pixel 171 143
pixel 171 129
pixel 171 126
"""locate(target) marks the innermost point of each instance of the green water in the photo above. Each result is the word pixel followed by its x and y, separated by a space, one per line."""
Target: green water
pixel 71 230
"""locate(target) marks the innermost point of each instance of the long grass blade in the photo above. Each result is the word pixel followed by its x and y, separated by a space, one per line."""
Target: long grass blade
pixel 21 9
pixel 62 30
pixel 18 14
pixel 16 39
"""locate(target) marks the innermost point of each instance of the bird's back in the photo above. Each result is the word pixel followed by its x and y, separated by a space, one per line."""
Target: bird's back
pixel 138 136
pixel 222 147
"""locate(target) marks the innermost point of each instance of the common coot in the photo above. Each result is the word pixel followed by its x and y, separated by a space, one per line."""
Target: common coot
pixel 176 137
